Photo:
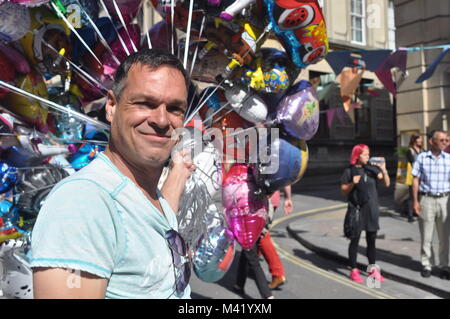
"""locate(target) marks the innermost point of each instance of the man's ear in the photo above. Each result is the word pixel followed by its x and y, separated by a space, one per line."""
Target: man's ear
pixel 111 104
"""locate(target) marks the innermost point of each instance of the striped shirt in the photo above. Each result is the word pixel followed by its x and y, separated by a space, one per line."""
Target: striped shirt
pixel 433 172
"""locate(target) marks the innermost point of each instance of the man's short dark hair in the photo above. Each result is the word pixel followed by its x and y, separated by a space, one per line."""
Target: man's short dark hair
pixel 153 58
pixel 432 134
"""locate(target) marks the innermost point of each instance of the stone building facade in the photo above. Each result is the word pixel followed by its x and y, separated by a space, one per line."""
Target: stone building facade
pixel 426 106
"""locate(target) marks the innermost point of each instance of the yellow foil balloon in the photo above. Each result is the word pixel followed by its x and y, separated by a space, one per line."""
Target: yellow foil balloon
pixel 28 108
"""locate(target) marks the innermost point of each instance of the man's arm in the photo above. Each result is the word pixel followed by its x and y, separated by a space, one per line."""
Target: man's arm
pixel 415 193
pixel 173 188
pixel 59 283
pixel 288 204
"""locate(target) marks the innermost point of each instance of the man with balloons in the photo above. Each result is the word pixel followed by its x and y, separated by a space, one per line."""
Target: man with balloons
pixel 68 68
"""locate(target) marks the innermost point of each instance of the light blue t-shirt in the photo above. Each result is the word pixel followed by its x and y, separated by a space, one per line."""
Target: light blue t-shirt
pixel 100 222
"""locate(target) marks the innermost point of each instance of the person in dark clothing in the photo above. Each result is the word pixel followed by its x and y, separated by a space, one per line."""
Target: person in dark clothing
pixel 249 260
pixel 359 182
pixel 415 148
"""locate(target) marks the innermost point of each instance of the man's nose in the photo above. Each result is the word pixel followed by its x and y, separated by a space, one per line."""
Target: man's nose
pixel 159 117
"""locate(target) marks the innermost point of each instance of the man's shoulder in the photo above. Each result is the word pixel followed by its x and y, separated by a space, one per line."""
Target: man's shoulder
pixel 423 155
pixel 97 175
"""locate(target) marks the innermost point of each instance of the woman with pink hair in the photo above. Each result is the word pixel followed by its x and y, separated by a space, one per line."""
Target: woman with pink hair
pixel 359 183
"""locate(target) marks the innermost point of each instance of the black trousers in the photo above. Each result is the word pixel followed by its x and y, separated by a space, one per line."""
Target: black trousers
pixel 249 260
pixel 370 252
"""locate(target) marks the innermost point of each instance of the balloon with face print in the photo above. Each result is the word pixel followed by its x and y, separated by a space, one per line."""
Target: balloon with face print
pixel 298 111
pixel 246 216
pixel 300 27
pixel 15 21
pixel 29 109
pixel 213 254
pixel 48 33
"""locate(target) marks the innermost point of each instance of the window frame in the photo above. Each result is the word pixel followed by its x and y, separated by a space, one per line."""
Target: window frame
pixel 361 16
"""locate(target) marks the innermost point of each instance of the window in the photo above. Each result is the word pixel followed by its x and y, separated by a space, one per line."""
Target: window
pixel 358 17
pixel 391 25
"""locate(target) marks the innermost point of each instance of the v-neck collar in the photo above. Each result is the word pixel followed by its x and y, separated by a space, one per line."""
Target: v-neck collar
pixel 161 215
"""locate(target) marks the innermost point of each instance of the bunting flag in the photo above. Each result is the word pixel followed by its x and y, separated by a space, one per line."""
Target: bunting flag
pixel 432 67
pixel 396 60
pixel 330 116
pixel 340 114
pixel 338 60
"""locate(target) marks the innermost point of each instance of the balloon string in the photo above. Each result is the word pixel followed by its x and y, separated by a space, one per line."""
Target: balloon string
pixel 216 112
pixel 266 30
pixel 86 76
pixel 188 36
pixel 222 116
pixel 192 101
pixel 102 38
pixel 114 26
pixel 56 107
pixel 122 21
pixel 172 24
pixel 203 103
pixel 71 27
pixel 194 60
pixel 74 141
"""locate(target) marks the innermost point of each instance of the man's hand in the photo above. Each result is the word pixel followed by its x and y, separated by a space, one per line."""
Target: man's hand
pixel 181 169
pixel 288 206
pixel 417 208
pixel 182 164
pixel 356 179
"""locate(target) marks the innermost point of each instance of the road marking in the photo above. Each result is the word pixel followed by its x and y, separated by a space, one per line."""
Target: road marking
pixel 306 212
pixel 324 273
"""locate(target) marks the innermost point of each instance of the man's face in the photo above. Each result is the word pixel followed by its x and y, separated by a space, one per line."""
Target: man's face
pixel 439 141
pixel 152 105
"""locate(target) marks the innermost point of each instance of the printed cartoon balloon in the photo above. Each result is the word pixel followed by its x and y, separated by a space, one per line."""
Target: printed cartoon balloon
pixel 35 184
pixel 213 254
pixel 246 216
pixel 17 279
pixel 15 21
pixel 298 111
pixel 27 108
pixel 30 3
pixel 300 27
pixel 283 162
pixel 8 177
pixel 20 64
pixel 47 30
pixel 7 73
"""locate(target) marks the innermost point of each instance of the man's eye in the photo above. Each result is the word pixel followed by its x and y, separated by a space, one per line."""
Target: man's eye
pixel 176 110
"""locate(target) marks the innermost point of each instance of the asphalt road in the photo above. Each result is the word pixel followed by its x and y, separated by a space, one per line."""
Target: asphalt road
pixel 309 276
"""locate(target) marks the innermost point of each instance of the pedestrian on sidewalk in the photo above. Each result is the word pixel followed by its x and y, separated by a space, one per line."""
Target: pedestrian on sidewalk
pixel 431 188
pixel 415 148
pixel 359 182
pixel 266 246
pixel 249 261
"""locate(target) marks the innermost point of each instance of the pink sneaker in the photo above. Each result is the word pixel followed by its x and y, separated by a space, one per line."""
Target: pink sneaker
pixel 374 273
pixel 356 276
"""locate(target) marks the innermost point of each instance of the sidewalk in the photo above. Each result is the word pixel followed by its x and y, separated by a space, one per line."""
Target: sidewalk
pixel 398 246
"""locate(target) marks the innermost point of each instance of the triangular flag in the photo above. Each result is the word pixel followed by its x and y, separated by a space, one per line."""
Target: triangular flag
pixel 432 67
pixel 330 116
pixel 340 113
pixel 398 59
pixel 372 59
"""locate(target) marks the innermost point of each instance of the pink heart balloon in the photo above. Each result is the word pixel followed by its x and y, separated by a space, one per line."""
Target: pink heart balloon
pixel 246 216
